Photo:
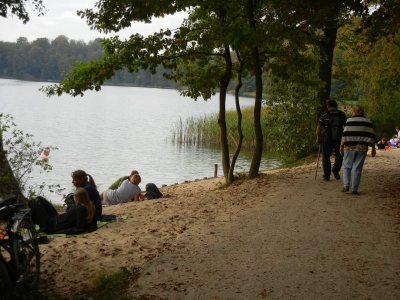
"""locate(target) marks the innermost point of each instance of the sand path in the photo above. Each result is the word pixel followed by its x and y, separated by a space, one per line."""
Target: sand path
pixel 283 235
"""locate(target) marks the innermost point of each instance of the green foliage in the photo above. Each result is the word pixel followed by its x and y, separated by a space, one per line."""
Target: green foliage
pixel 112 285
pixel 293 103
pixel 17 8
pixel 383 21
pixel 23 155
pixel 374 68
pixel 291 129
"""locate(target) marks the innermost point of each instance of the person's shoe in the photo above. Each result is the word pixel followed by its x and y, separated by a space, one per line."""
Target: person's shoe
pixel 345 189
pixel 325 179
pixel 336 174
pixel 355 193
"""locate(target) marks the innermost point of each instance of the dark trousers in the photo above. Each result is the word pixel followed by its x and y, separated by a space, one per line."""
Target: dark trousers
pixel 327 147
pixel 43 213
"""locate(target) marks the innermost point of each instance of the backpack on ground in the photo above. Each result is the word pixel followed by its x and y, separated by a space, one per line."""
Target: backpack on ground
pixel 152 191
pixel 69 201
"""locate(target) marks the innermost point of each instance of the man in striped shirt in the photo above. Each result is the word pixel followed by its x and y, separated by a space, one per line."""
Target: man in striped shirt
pixel 358 135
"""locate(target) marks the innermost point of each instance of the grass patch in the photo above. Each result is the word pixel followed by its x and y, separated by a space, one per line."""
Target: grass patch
pixel 112 285
pixel 204 130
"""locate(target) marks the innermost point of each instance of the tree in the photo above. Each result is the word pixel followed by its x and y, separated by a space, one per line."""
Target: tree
pixel 14 8
pixel 17 8
pixel 198 53
pixel 375 68
pixel 320 20
pixel 384 21
pixel 20 157
pixel 190 60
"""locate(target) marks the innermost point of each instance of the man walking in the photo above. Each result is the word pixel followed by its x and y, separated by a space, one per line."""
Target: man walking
pixel 358 134
pixel 333 121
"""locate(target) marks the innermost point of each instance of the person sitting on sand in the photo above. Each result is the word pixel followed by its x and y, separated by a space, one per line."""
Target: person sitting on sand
pixel 382 144
pixel 81 179
pixel 394 141
pixel 119 181
pixel 128 191
pixel 79 219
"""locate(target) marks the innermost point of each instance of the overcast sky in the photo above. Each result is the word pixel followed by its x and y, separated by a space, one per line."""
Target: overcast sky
pixel 61 19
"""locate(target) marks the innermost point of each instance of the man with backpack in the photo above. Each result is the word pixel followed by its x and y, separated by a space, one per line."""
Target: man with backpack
pixel 333 121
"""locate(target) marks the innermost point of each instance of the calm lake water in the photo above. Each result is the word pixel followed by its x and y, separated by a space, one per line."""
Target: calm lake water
pixel 111 132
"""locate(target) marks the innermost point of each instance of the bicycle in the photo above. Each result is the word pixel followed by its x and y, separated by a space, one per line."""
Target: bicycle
pixel 19 250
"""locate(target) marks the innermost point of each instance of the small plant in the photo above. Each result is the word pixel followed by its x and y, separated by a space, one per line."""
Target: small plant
pixel 23 155
pixel 112 285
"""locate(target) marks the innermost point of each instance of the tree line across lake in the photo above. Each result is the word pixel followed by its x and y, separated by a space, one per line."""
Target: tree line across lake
pixel 48 60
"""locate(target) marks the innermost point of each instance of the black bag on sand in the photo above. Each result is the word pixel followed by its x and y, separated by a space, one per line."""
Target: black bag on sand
pixel 69 201
pixel 152 191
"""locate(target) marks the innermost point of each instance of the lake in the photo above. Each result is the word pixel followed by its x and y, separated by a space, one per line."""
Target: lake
pixel 111 132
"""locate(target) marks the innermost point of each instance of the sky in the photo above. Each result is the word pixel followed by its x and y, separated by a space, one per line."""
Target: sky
pixel 61 19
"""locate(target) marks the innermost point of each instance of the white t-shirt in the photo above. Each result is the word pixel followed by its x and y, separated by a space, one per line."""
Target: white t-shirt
pixel 126 191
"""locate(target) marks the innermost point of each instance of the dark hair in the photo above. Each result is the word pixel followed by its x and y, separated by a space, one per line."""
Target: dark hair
pixel 331 103
pixel 134 172
pixel 80 174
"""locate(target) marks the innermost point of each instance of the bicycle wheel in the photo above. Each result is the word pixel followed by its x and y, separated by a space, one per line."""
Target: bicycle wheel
pixel 5 283
pixel 26 254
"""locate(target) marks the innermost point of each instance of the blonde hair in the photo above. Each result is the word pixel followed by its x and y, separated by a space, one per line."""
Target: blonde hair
pixel 81 197
pixel 136 179
pixel 358 110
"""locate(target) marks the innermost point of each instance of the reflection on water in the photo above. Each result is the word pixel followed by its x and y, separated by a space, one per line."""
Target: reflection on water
pixel 112 132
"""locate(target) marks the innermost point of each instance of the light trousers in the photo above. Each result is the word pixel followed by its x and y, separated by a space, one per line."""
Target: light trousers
pixel 353 160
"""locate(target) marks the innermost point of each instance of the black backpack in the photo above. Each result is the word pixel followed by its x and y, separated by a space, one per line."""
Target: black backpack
pixel 69 201
pixel 334 127
pixel 152 191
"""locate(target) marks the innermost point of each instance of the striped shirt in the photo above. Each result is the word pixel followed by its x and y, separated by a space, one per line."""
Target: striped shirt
pixel 358 131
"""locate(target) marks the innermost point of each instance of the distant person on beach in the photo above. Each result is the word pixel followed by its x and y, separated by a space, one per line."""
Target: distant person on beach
pixel 45 154
pixel 397 135
pixel 358 135
pixel 128 191
pixel 81 179
pixel 332 121
pixel 79 219
pixel 394 141
pixel 119 181
pixel 382 144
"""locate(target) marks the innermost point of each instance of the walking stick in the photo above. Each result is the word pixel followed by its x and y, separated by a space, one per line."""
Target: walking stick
pixel 319 153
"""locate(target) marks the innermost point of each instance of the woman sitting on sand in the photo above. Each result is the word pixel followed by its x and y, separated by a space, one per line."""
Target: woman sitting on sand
pixel 82 179
pixel 120 180
pixel 78 219
pixel 128 191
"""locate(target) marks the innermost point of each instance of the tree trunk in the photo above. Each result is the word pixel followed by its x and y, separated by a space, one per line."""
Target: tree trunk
pixel 231 177
pixel 222 113
pixel 326 48
pixel 257 155
pixel 8 183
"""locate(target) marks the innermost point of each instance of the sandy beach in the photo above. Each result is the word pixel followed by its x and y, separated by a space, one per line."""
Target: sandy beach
pixel 283 235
